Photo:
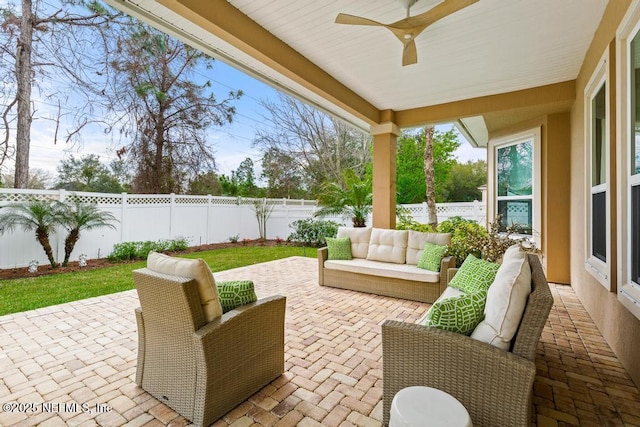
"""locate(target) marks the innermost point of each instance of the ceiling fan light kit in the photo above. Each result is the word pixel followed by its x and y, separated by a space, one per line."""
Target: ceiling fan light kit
pixel 406 30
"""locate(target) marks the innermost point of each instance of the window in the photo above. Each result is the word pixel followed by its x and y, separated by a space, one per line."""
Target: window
pixel 599 148
pixel 628 161
pixel 514 183
pixel 514 173
pixel 599 254
pixel 633 189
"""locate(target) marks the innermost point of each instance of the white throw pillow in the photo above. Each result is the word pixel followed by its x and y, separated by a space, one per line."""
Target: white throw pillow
pixel 388 245
pixel 359 239
pixel 506 300
pixel 417 240
pixel 193 269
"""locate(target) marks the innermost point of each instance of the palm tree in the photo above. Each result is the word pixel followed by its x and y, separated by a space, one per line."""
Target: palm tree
pixel 38 215
pixel 77 216
pixel 354 200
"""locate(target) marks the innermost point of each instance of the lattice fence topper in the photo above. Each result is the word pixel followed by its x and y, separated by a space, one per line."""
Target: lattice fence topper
pixel 95 199
pixel 518 208
pixel 148 200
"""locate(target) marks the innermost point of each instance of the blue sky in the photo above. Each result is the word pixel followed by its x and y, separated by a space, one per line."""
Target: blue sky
pixel 232 143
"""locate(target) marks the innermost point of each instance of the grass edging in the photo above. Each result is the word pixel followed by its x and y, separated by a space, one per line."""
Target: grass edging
pixel 30 293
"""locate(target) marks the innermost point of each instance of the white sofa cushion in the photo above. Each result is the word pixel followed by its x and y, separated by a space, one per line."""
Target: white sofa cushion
pixel 384 269
pixel 359 239
pixel 388 245
pixel 506 300
pixel 193 269
pixel 417 240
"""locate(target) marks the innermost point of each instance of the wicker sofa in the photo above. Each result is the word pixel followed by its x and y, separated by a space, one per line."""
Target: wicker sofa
pixel 384 263
pixel 493 384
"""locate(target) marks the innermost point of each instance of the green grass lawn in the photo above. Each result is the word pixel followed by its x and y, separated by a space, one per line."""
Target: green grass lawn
pixel 35 292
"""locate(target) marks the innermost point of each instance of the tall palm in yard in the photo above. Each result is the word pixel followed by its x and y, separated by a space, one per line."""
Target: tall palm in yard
pixel 77 216
pixel 353 200
pixel 36 215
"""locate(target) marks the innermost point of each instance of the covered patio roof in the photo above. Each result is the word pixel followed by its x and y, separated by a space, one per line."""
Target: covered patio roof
pixel 492 64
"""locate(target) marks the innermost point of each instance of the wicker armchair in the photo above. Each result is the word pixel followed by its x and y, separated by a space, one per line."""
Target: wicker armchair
pixel 203 370
pixel 494 385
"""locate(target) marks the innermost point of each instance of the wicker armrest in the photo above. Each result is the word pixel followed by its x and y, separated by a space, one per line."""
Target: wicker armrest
pixel 494 385
pixel 245 319
pixel 450 273
pixel 237 355
pixel 323 254
pixel 446 263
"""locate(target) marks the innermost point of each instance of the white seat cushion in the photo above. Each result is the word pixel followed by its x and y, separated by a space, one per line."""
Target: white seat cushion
pixel 193 269
pixel 506 300
pixel 359 239
pixel 417 240
pixel 384 269
pixel 388 245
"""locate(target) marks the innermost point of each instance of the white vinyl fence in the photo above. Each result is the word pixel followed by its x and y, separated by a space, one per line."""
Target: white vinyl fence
pixel 200 219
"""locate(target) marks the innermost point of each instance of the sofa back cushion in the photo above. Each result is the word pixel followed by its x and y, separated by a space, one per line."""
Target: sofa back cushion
pixel 506 300
pixel 192 269
pixel 417 240
pixel 388 245
pixel 359 237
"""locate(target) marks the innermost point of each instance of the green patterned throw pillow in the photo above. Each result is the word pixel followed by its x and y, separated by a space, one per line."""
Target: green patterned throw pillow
pixel 474 275
pixel 459 314
pixel 339 248
pixel 432 256
pixel 235 293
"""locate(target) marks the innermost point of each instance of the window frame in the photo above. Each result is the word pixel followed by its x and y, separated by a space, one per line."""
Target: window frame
pixel 598 268
pixel 534 135
pixel 628 291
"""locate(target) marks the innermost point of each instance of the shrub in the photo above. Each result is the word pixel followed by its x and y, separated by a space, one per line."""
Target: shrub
pixel 313 232
pixel 467 237
pixel 128 251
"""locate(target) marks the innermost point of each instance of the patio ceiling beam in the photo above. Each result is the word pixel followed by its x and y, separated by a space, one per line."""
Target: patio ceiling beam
pixel 229 24
pixel 552 94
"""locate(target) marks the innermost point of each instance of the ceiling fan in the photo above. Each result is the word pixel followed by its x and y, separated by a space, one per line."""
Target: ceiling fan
pixel 407 29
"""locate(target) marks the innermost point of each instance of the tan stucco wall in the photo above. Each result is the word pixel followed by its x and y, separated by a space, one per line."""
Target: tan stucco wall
pixel 556 153
pixel 618 326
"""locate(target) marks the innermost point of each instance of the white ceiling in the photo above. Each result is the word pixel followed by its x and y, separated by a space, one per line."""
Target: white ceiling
pixel 490 47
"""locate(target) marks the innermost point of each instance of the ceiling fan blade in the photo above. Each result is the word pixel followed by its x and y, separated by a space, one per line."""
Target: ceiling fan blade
pixel 344 18
pixel 444 9
pixel 409 53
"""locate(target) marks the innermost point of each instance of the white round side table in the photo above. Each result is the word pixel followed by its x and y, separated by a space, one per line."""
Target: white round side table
pixel 427 406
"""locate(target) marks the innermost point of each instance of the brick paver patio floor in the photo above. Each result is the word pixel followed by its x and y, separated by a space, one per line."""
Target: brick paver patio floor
pixel 56 359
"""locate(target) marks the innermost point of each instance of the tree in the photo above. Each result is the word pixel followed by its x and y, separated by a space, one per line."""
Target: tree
pixel 322 147
pixel 410 174
pixel 283 175
pixel 39 179
pixel 353 201
pixel 206 183
pixel 246 178
pixel 87 173
pixel 76 217
pixel 429 177
pixel 49 43
pixel 166 113
pixel 40 216
pixel 463 182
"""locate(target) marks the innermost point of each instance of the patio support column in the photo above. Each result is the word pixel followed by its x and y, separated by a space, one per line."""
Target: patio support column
pixel 385 137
